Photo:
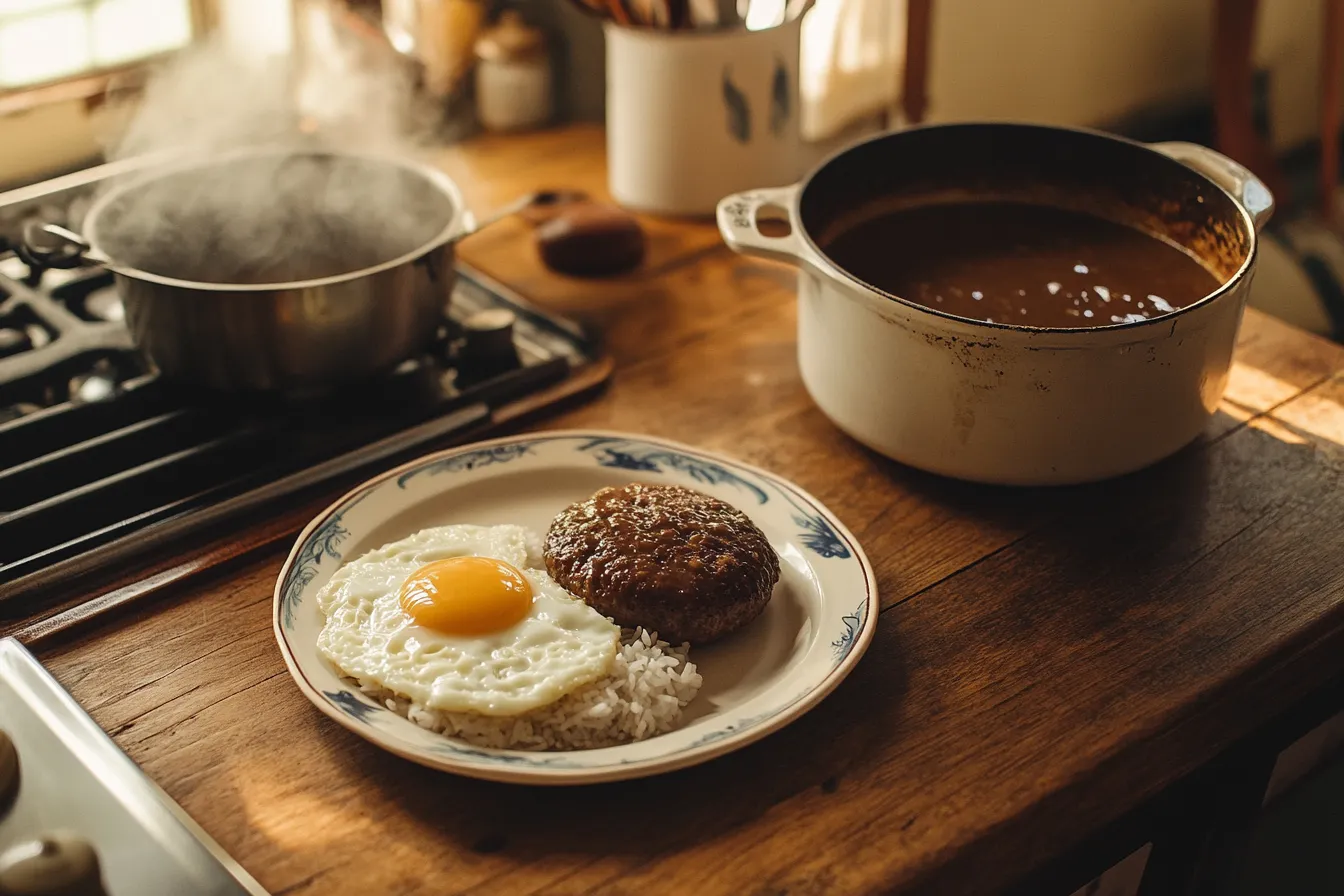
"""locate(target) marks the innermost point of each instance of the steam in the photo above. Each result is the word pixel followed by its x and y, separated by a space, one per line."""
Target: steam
pixel 262 169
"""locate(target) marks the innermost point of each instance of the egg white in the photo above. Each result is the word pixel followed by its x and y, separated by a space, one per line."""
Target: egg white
pixel 561 645
pixel 390 565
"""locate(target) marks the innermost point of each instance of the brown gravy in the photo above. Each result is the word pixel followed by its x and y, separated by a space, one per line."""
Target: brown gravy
pixel 1016 263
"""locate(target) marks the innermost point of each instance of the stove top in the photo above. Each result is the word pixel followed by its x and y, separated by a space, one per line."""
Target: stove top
pixel 101 460
pixel 77 815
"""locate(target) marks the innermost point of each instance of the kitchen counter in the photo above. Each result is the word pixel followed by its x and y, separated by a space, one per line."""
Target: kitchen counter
pixel 1057 677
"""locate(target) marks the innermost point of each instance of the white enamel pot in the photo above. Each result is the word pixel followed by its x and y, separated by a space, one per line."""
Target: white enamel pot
pixel 999 403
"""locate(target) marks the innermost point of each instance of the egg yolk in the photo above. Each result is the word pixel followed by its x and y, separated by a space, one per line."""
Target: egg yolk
pixel 467 595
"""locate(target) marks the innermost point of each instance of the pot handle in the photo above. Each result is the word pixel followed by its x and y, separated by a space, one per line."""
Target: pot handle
pixel 541 199
pixel 1233 177
pixel 52 246
pixel 737 225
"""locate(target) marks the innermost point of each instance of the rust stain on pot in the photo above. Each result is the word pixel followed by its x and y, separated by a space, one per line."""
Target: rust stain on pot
pixel 971 354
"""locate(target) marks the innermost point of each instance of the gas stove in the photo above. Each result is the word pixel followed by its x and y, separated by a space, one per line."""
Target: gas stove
pixel 102 461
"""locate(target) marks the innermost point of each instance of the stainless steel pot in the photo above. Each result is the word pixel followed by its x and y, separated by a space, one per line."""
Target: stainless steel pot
pixel 302 333
pixel 997 402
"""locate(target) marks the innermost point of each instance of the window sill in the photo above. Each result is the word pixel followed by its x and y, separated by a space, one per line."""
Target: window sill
pixel 91 88
pixel 54 127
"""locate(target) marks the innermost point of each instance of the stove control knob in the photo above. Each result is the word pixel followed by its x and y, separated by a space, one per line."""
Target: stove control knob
pixel 488 341
pixel 14 342
pixel 56 864
pixel 9 771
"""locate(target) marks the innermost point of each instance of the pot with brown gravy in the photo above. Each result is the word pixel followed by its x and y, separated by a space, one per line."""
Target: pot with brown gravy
pixel 1021 263
pixel 1015 304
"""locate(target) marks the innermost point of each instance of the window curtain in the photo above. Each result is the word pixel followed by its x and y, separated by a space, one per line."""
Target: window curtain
pixel 852 56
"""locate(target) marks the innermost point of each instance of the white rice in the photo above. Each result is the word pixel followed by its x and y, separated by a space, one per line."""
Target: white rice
pixel 536 556
pixel 649 685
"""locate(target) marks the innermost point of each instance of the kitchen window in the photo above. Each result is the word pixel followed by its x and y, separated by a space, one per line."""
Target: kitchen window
pixel 46 41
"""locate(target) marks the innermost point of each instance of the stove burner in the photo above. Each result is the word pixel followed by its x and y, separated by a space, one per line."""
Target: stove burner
pixel 58 340
pixel 105 304
pixel 15 411
pixel 38 337
pixel 13 341
pixel 99 384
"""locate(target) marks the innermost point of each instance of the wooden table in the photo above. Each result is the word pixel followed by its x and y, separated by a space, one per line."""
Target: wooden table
pixel 1054 673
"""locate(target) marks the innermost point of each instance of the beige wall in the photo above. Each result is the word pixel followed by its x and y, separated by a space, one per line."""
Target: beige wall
pixel 1058 61
pixel 43 140
pixel 1289 42
pixel 1093 61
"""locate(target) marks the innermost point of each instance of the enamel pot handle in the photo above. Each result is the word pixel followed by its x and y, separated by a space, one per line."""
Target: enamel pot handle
pixel 1233 177
pixel 737 224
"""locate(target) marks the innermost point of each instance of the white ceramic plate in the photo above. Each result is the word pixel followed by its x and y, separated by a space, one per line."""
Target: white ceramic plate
pixel 816 626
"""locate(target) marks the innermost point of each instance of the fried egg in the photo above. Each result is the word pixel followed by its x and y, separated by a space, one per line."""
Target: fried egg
pixel 454 619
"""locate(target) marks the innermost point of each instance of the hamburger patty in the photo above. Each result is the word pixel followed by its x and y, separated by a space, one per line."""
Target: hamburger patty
pixel 669 558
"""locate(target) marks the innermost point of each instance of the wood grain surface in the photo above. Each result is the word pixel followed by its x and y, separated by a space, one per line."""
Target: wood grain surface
pixel 1046 659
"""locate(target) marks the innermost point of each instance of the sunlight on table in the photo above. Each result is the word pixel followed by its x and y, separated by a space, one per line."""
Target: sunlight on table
pixel 1318 412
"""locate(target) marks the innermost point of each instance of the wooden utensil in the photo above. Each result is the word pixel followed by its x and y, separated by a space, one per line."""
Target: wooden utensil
pixel 914 89
pixel 582 238
pixel 678 14
pixel 1332 71
pixel 591 239
pixel 615 10
pixel 649 13
pixel 619 13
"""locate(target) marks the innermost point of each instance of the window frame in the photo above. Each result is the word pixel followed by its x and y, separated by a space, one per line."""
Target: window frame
pixel 92 85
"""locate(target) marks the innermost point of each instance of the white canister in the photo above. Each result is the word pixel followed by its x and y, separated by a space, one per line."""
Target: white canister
pixel 513 76
pixel 695 115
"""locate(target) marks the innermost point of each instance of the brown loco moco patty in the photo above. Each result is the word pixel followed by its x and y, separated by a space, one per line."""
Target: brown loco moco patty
pixel 669 558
